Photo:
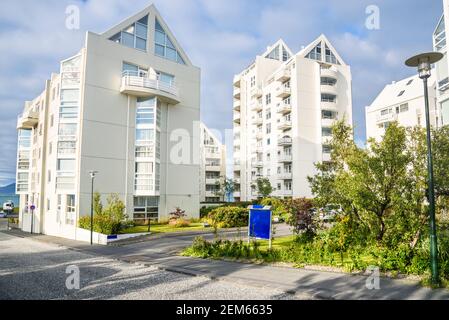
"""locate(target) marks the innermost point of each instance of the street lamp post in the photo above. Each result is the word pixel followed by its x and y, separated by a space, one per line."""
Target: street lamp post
pixel 423 62
pixel 92 178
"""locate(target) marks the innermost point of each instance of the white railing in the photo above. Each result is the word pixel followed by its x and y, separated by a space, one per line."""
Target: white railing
pixel 284 141
pixel 133 78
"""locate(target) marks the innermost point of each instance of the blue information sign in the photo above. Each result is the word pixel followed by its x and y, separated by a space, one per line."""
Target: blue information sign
pixel 259 222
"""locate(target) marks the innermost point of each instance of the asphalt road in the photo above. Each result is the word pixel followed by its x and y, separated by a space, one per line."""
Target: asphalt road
pixel 32 269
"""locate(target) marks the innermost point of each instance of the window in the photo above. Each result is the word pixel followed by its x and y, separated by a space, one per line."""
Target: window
pixel 268 115
pixel 144 134
pixel 166 78
pixel 288 185
pixel 325 97
pixel 403 107
pixel 268 99
pixel 70 95
pixel 253 81
pixel 67 129
pixel 274 54
pixel 66 165
pixel 326 114
pixel 164 47
pixel 144 152
pixel 330 57
pixel 327 149
pixel 328 81
pixel 70 210
pixel 315 54
pixel 134 36
pixel 145 111
pixel 268 141
pixel 326 132
pixel 66 147
pixel 401 93
pixel 268 128
pixel 49 176
pixel 384 112
pixel 409 82
pixel 68 110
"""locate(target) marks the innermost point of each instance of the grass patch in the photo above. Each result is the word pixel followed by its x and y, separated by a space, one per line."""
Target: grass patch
pixel 164 228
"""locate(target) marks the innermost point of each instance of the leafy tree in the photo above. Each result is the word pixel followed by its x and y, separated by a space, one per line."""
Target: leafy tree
pixel 98 206
pixel 226 188
pixel 263 187
pixel 301 217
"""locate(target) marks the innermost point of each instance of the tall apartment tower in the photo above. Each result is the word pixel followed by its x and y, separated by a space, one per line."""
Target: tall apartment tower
pixel 284 107
pixel 442 67
pixel 212 166
pixel 401 101
pixel 119 107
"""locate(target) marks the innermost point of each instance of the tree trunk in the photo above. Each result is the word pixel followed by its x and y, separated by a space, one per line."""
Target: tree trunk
pixel 381 233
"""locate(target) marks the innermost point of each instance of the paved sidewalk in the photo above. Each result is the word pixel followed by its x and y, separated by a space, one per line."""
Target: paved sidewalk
pixel 316 284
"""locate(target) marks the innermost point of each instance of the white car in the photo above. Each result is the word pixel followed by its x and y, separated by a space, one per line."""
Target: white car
pixel 8 206
pixel 2 215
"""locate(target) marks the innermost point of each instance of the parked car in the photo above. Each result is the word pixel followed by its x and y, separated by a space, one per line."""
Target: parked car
pixel 8 206
pixel 3 215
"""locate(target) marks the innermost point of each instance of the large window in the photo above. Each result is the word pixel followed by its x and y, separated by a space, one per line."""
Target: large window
pixel 70 210
pixel 66 165
pixel 67 129
pixel 325 97
pixel 134 36
pixel 164 47
pixel 145 111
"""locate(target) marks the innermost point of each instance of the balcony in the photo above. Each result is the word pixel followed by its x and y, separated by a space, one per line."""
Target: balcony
pixel 285 158
pixel 328 122
pixel 326 140
pixel 285 124
pixel 284 108
pixel 331 106
pixel 258 121
pixel 237 167
pixel 213 168
pixel 212 194
pixel 389 117
pixel 325 88
pixel 236 81
pixel 28 120
pixel 285 176
pixel 326 157
pixel 213 155
pixel 212 181
pixel 257 163
pixel 256 106
pixel 257 92
pixel 284 193
pixel 236 117
pixel 259 135
pixel 237 105
pixel 287 141
pixel 283 92
pixel 283 75
pixel 328 72
pixel 237 93
pixel 142 87
pixel 236 194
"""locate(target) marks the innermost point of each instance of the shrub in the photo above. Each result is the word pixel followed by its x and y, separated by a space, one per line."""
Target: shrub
pixel 277 206
pixel 177 219
pixel 228 217
pixel 204 211
pixel 300 215
pixel 110 220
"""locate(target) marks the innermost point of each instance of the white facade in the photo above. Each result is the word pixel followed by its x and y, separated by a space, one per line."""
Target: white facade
pixel 401 101
pixel 284 107
pixel 119 107
pixel 442 67
pixel 212 166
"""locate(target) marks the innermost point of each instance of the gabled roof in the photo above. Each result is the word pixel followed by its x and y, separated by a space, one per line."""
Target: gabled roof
pixel 148 10
pixel 321 39
pixel 400 92
pixel 281 44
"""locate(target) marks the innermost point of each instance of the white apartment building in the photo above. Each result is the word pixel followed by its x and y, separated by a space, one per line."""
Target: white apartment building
pixel 113 108
pixel 401 101
pixel 284 107
pixel 212 166
pixel 442 67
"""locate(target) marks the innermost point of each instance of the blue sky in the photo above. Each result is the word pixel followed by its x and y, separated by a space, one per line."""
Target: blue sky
pixel 220 36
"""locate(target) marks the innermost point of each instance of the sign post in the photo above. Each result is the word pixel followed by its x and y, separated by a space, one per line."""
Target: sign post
pixel 260 227
pixel 32 208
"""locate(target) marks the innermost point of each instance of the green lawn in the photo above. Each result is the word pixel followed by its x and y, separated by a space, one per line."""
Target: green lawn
pixel 164 228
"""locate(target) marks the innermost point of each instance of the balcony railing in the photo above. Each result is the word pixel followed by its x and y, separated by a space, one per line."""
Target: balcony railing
pixel 285 141
pixel 135 84
pixel 285 158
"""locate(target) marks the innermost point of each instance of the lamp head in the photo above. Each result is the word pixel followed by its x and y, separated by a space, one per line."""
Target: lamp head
pixel 424 63
pixel 93 174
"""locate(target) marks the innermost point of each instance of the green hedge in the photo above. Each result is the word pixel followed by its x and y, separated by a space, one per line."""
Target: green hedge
pixel 228 217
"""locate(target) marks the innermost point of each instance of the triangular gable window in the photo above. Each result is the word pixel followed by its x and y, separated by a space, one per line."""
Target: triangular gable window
pixel 330 56
pixel 285 54
pixel 315 54
pixel 134 36
pixel 164 46
pixel 274 54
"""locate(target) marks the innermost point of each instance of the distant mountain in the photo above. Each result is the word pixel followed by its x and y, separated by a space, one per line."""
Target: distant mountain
pixel 9 190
